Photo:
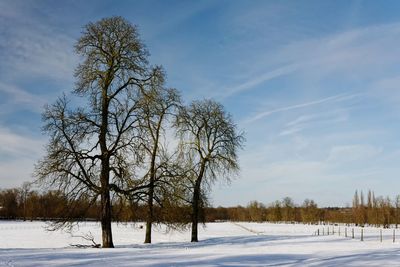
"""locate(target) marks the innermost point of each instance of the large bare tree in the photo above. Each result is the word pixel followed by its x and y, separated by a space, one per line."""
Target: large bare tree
pixel 93 149
pixel 210 142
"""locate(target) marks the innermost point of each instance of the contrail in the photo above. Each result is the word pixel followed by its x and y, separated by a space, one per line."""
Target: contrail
pixel 339 97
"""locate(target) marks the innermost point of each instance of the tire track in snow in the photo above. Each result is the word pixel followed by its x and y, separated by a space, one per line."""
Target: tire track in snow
pixel 248 229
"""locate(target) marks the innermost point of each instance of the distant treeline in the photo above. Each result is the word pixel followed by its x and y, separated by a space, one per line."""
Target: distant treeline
pixel 23 203
pixel 378 211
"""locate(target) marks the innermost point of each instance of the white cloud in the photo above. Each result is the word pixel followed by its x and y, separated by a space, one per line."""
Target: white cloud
pixel 351 153
pixel 361 53
pixel 335 98
pixel 355 52
pixel 14 173
pixel 315 120
pixel 18 154
pixel 255 81
pixel 32 47
pixel 291 130
pixel 15 98
pixel 36 52
pixel 15 145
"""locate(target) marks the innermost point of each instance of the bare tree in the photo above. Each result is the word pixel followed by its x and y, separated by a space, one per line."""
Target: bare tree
pixel 24 193
pixel 93 150
pixel 209 142
pixel 157 105
pixel 257 211
pixel 288 209
pixel 397 209
pixel 309 212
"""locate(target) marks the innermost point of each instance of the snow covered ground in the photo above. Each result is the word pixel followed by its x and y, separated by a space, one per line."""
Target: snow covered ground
pixel 221 244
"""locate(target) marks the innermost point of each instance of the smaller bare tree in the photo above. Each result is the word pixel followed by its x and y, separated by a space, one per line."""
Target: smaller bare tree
pixel 209 141
pixel 156 106
pixel 397 210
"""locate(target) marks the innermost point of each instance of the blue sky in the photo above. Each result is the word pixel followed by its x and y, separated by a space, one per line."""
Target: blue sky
pixel 314 84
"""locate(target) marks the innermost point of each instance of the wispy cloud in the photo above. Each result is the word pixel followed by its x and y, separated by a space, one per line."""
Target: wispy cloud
pixel 315 120
pixel 291 130
pixel 251 83
pixel 14 145
pixel 350 153
pixel 335 98
pixel 18 154
pixel 182 11
pixel 32 47
pixel 14 173
pixel 360 53
pixel 16 97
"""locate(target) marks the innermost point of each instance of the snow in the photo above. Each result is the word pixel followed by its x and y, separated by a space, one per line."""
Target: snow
pixel 221 244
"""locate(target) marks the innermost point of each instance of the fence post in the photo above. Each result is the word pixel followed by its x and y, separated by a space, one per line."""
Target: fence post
pixel 333 230
pixel 328 230
pixel 339 231
pixel 381 234
pixel 352 232
pixel 345 232
pixel 394 235
pixel 323 231
pixel 362 234
pixel 318 231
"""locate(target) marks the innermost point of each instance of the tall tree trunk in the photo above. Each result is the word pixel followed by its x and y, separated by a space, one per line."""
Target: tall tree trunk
pixel 196 202
pixel 149 219
pixel 150 211
pixel 106 216
pixel 105 172
pixel 195 212
pixel 106 203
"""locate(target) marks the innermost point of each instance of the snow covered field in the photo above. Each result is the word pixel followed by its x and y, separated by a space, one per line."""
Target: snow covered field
pixel 222 244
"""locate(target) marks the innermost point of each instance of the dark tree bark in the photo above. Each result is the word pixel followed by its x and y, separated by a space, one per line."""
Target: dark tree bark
pixel 196 203
pixel 195 212
pixel 150 212
pixel 105 171
pixel 150 199
pixel 106 229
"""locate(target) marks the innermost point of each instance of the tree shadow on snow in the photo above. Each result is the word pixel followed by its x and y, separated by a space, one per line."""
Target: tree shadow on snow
pixel 253 240
pixel 186 254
